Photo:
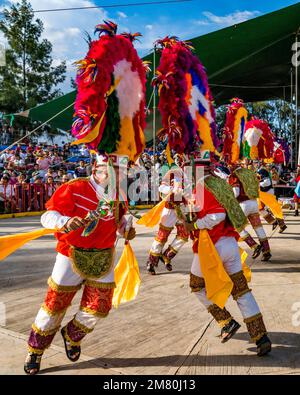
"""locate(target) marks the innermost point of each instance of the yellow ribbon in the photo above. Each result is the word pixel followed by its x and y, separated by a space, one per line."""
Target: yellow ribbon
pixel 218 284
pixel 270 201
pixel 152 217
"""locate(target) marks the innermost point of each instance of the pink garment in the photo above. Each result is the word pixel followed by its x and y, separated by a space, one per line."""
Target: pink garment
pixel 44 163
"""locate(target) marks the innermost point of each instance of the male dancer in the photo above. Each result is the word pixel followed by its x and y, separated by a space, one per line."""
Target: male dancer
pixel 82 260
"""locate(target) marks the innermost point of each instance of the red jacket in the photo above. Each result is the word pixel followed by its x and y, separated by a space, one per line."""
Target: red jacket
pixel 210 205
pixel 77 199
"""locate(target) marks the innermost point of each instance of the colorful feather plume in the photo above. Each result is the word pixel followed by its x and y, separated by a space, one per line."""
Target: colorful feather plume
pixel 86 70
pixel 109 108
pixel 146 64
pixel 132 36
pixel 258 140
pixel 108 27
pixel 233 134
pixel 185 103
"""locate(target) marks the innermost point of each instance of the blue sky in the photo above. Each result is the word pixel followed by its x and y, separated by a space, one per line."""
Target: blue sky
pixel 186 20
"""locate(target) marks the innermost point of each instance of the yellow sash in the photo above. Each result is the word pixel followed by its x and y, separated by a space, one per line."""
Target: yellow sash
pixel 218 284
pixel 270 201
pixel 152 217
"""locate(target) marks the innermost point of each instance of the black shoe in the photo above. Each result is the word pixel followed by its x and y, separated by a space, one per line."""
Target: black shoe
pixel 150 269
pixel 264 346
pixel 72 352
pixel 296 213
pixel 169 267
pixel 229 330
pixel 282 228
pixel 32 363
pixel 274 226
pixel 266 256
pixel 257 251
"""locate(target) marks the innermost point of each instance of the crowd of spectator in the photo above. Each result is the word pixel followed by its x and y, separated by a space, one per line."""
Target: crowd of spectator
pixel 30 173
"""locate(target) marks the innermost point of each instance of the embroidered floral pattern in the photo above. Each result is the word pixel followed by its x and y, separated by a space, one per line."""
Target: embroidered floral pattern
pixel 240 285
pixel 97 300
pixel 218 313
pixel 58 301
pixel 256 327
pixel 196 283
pixel 92 263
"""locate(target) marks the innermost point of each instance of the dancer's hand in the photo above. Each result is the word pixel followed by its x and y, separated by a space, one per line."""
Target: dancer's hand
pixel 130 234
pixel 75 223
pixel 189 226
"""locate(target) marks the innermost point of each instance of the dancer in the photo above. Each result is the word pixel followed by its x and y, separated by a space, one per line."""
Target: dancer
pixel 297 193
pixel 220 215
pixel 265 183
pixel 109 119
pixel 86 261
pixel 246 189
pixel 171 187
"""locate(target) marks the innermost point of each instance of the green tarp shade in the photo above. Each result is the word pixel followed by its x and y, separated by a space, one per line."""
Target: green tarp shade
pixel 48 110
pixel 250 60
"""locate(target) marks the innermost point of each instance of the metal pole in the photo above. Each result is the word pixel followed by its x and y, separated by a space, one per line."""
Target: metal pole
pixel 292 128
pixel 296 103
pixel 154 105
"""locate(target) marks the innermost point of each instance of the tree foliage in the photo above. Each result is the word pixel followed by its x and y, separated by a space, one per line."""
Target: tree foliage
pixel 29 77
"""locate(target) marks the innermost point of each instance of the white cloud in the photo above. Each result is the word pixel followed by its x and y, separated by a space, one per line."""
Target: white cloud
pixel 229 19
pixel 149 27
pixel 65 30
pixel 121 14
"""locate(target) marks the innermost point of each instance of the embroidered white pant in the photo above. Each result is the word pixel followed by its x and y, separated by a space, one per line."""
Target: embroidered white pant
pixel 228 250
pixel 96 302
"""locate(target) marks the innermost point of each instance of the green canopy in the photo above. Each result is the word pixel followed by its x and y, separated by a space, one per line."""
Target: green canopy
pixel 250 60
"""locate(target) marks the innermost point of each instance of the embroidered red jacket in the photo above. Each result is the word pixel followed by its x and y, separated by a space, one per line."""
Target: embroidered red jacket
pixel 77 199
pixel 210 205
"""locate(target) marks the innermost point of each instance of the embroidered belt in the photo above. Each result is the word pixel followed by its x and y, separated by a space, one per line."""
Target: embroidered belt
pixel 92 263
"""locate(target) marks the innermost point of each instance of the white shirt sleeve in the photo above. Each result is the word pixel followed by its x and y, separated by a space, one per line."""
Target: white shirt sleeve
pixel 236 191
pixel 210 220
pixel 122 226
pixel 54 220
pixel 265 182
pixel 165 189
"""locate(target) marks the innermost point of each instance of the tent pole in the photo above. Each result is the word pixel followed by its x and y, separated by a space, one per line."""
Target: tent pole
pixel 154 106
pixel 296 103
pixel 292 126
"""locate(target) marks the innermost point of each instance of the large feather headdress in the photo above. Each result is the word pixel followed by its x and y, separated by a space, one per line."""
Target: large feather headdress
pixel 233 134
pixel 258 140
pixel 110 104
pixel 185 102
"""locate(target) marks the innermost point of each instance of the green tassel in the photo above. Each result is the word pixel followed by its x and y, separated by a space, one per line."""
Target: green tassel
pixel 111 134
pixel 246 150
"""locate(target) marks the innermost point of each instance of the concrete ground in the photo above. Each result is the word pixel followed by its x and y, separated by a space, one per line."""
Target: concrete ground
pixel 165 330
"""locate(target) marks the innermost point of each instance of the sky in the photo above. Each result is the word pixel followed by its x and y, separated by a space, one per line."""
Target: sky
pixel 65 29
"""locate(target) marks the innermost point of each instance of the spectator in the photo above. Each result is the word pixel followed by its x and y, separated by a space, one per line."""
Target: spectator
pixel 7 202
pixel 65 178
pixel 44 163
pixel 80 171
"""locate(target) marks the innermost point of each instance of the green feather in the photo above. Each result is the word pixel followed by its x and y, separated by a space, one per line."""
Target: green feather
pixel 111 134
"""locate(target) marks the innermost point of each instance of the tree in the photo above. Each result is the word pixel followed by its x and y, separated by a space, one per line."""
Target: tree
pixel 29 78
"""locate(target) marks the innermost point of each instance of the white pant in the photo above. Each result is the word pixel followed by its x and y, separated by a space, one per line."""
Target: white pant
pixel 64 275
pixel 249 207
pixel 228 250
